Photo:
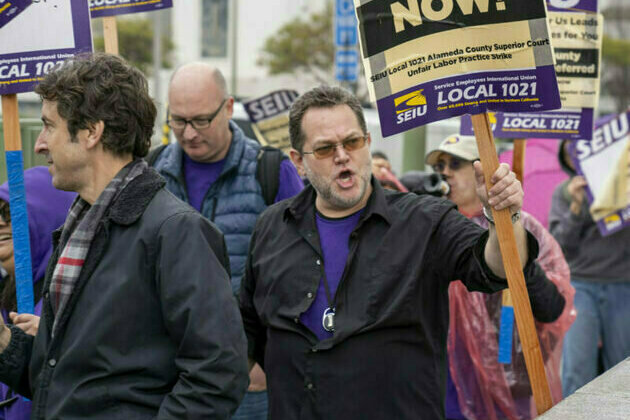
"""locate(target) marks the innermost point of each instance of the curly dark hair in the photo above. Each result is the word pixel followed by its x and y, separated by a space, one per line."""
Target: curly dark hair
pixel 320 97
pixel 103 87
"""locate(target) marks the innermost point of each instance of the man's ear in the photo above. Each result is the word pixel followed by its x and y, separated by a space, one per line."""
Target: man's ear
pixel 94 133
pixel 298 160
pixel 229 106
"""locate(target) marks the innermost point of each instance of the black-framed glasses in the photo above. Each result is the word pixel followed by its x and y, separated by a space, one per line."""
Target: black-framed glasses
pixel 327 150
pixel 454 164
pixel 198 123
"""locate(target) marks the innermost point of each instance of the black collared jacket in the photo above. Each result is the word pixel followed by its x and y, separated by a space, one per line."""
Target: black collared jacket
pixel 387 357
pixel 151 331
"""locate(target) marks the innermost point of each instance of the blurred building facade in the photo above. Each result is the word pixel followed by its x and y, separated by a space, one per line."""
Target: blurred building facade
pixel 230 34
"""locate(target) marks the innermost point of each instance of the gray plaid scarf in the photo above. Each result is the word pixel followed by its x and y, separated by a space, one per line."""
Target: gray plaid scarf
pixel 78 232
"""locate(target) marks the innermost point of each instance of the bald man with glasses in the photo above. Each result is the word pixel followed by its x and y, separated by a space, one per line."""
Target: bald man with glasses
pixel 213 167
pixel 344 298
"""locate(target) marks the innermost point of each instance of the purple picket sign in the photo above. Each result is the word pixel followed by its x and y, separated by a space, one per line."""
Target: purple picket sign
pixel 425 65
pixel 577 70
pixel 9 10
pixel 530 90
pixel 572 6
pixel 25 60
pixel 594 160
pixel 102 8
pixel 271 105
pixel 269 115
pixel 560 124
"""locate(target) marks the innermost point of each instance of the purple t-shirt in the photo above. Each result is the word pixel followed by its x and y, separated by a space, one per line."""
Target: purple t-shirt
pixel 200 177
pixel 333 238
pixel 290 181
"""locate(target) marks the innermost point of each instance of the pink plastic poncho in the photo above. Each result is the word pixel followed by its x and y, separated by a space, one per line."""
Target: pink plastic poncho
pixel 487 389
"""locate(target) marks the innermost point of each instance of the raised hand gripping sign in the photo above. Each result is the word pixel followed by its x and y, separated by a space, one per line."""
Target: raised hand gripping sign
pixel 430 60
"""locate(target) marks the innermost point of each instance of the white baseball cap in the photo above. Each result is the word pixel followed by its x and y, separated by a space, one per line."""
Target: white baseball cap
pixel 463 147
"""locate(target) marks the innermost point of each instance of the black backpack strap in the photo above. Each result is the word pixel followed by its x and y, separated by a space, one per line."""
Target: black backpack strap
pixel 154 154
pixel 268 172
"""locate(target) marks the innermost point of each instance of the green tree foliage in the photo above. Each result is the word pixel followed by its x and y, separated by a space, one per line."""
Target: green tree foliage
pixel 616 51
pixel 302 45
pixel 135 43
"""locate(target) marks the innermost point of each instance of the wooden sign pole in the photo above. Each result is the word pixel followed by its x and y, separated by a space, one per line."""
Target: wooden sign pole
pixel 514 272
pixel 518 166
pixel 518 159
pixel 11 123
pixel 110 33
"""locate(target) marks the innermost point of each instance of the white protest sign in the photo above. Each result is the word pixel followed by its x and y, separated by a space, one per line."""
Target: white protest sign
pixel 62 30
pixel 605 163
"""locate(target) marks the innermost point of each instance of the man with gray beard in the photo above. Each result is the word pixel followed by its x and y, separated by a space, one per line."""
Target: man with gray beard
pixel 345 293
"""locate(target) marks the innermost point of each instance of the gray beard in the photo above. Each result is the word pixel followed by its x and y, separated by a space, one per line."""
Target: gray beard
pixel 326 192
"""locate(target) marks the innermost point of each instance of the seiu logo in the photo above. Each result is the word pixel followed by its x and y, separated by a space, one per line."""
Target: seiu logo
pixel 410 106
pixel 612 221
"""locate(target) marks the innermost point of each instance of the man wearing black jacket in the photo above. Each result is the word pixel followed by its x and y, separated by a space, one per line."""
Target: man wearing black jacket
pixel 344 298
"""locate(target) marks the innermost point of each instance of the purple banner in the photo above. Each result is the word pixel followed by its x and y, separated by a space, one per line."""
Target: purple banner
pixel 63 30
pixel 530 90
pixel 572 6
pixel 561 124
pixel 605 163
pixel 102 8
pixel 10 9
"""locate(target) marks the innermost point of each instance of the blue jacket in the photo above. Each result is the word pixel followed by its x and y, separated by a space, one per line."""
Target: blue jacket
pixel 233 202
